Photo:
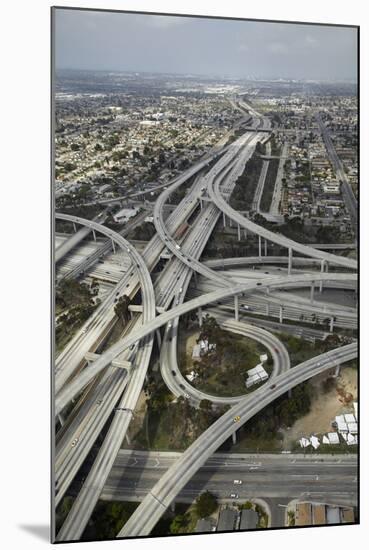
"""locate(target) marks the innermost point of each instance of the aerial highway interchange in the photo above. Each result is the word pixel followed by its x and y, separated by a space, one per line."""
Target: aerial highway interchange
pixel 91 387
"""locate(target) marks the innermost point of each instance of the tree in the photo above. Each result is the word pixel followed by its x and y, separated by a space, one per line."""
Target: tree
pixel 121 308
pixel 178 523
pixel 206 504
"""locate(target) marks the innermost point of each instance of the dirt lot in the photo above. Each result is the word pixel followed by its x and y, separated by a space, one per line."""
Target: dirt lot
pixel 325 406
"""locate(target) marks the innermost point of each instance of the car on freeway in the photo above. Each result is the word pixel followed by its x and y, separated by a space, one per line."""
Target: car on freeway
pixel 236 418
pixel 246 306
pixel 259 284
pixel 186 395
pixel 75 441
pixel 237 482
pixel 180 290
pixel 234 495
pixel 132 347
pixel 174 373
pixel 181 386
pixel 272 386
pixel 178 247
pixel 99 402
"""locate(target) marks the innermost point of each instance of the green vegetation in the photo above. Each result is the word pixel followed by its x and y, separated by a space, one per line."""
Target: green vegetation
pixel 143 232
pixel 108 519
pixel 270 180
pixel 291 518
pixel 263 517
pixel 223 371
pixel 263 431
pixel 244 190
pixel 74 303
pixel 62 511
pixel 172 424
pixel 248 505
pixel 121 309
pixel 301 350
pixel 206 504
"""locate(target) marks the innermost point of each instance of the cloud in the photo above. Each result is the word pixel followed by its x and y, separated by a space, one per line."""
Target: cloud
pixel 164 22
pixel 311 41
pixel 243 48
pixel 277 48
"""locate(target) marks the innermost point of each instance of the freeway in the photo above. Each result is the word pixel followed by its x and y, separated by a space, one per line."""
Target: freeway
pixel 276 198
pixel 244 146
pixel 176 477
pixel 94 483
pixel 178 385
pixel 216 196
pixel 97 477
pixel 255 206
pixel 347 192
pixel 75 239
pixel 135 473
pixel 99 470
pixel 82 379
pixel 102 250
pixel 139 266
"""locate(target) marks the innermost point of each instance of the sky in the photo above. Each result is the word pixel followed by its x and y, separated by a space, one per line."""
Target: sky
pixel 182 45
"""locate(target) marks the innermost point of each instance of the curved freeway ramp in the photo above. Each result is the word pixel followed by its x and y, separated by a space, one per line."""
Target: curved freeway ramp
pixel 81 380
pixel 217 198
pixel 179 386
pixel 177 476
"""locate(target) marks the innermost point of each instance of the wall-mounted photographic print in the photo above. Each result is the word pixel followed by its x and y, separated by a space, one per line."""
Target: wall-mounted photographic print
pixel 205 293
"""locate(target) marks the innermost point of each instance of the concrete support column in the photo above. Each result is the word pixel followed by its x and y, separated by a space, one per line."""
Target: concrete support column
pixel 201 204
pixel 322 265
pixel 337 371
pixel 128 439
pixel 239 232
pixel 94 235
pixel 158 336
pixel 230 222
pixel 265 247
pixel 331 324
pixel 224 220
pixel 74 227
pixel 289 261
pixel 312 288
pixel 199 315
pixel 195 278
pixel 245 234
pixel 173 506
pixel 259 246
pixel 113 245
pixel 289 393
pixel 268 290
pixel 234 438
pixel 280 314
pixel 236 308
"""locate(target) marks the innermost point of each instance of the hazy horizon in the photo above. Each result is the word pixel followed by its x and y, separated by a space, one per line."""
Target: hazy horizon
pixel 231 49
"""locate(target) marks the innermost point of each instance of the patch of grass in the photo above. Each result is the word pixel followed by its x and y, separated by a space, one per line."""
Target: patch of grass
pixel 223 372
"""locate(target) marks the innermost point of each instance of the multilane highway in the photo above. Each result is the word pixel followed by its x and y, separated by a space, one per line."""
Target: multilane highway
pixel 82 379
pixel 177 280
pixel 176 477
pixel 135 473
